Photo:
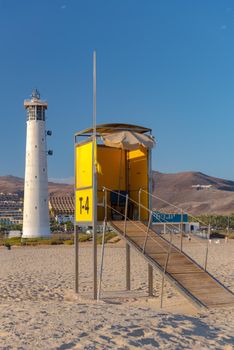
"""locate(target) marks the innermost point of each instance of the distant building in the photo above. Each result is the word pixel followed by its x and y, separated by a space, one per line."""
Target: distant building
pixel 61 208
pixel 174 222
pixel 192 227
pixel 14 234
pixel 173 218
pixel 201 187
pixel 11 209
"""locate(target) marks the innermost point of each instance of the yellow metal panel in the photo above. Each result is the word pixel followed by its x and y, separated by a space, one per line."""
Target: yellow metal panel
pixel 84 205
pixel 111 168
pixel 111 164
pixel 138 177
pixel 83 164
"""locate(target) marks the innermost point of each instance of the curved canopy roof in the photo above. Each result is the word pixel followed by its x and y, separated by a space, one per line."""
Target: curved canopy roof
pixel 128 140
pixel 113 128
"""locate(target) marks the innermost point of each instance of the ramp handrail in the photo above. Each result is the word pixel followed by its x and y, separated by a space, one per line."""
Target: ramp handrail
pixel 182 212
pixel 151 212
pixel 172 205
pixel 146 231
pixel 140 228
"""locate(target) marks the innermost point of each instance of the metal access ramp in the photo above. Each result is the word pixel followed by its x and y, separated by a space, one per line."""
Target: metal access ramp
pixel 188 277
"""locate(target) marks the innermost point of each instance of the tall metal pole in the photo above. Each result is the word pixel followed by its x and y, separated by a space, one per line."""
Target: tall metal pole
pixel 94 182
pixel 76 238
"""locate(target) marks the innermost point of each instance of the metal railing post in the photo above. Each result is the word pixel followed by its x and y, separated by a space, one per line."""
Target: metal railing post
pixel 165 269
pixel 207 247
pixel 105 204
pixel 181 231
pixel 147 232
pixel 125 214
pixel 228 229
pixel 139 204
pixel 103 244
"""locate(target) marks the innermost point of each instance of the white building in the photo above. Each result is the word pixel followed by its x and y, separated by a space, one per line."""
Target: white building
pixel 11 209
pixel 36 211
pixel 192 227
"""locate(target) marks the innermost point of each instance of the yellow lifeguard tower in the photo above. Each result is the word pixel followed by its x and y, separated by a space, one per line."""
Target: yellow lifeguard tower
pixel 123 167
pixel 110 175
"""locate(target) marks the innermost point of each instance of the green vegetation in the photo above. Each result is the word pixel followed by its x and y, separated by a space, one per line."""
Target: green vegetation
pixel 68 242
pixel 216 221
pixel 63 227
pixel 220 224
pixel 84 237
pixel 17 241
pixel 6 228
pixel 108 237
pixel 56 239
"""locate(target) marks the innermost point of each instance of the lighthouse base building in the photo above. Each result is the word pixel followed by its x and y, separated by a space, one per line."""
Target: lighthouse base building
pixel 36 211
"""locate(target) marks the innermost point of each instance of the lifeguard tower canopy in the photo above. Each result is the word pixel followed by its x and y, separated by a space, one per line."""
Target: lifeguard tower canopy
pixel 112 128
pixel 123 166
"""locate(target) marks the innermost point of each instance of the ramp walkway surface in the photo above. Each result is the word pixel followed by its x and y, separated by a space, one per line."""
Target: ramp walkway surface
pixel 192 280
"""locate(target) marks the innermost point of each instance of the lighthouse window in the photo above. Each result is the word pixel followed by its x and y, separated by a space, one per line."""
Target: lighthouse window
pixel 36 207
pixel 31 113
pixel 43 169
pixel 35 146
pixel 35 176
pixel 35 113
pixel 40 113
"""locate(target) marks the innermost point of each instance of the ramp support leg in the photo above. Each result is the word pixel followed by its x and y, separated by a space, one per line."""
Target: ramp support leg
pixel 128 284
pixel 76 239
pixel 150 280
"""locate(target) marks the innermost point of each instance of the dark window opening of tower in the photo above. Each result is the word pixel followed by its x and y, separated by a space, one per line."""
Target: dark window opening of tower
pixel 35 113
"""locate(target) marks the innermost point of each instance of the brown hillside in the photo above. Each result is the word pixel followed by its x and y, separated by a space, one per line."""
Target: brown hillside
pixel 174 188
pixel 13 184
pixel 177 189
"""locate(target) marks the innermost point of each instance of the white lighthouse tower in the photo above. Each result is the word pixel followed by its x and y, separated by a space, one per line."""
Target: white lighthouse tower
pixel 36 211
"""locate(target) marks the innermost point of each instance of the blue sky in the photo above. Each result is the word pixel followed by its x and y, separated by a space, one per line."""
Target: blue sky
pixel 166 64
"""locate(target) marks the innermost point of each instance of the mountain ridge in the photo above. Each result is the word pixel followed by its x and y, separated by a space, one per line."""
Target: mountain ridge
pixel 175 188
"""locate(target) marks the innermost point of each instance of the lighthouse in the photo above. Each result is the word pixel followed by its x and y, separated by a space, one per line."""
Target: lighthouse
pixel 36 211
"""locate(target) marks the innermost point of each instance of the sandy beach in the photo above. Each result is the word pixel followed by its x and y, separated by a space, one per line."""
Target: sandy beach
pixel 39 309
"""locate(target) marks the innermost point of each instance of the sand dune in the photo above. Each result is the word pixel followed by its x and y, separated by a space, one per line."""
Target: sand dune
pixel 39 309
